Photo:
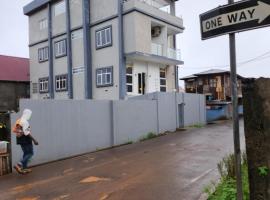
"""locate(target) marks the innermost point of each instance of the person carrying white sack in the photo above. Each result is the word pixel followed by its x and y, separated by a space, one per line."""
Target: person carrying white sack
pixel 25 140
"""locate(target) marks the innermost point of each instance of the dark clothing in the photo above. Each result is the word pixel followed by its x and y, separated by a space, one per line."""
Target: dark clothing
pixel 27 154
pixel 24 140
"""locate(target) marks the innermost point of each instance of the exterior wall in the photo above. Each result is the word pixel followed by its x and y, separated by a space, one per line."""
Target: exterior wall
pixel 35 34
pixel 134 119
pixel 78 62
pixel 170 75
pixel 76 13
pixel 58 22
pixel 106 57
pixel 11 92
pixel 67 128
pixel 59 68
pixel 38 70
pixel 102 9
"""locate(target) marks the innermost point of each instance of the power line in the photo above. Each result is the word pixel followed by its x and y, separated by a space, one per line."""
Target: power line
pixel 240 64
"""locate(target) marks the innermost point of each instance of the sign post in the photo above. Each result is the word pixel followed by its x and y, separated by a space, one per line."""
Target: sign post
pixel 229 19
pixel 236 136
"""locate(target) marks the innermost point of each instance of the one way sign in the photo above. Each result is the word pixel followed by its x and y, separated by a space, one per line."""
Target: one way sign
pixel 240 16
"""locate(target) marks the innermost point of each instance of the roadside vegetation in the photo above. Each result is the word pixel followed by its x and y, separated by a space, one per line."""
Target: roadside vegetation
pixel 196 126
pixel 226 188
pixel 148 136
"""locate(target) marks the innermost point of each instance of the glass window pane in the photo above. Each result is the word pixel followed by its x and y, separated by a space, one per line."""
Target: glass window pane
pixel 129 88
pixel 108 81
pixel 163 89
pixel 129 70
pixel 162 74
pixel 103 37
pixel 129 79
pixel 162 81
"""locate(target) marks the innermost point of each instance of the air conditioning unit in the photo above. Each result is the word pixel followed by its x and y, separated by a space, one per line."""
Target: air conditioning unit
pixel 156 31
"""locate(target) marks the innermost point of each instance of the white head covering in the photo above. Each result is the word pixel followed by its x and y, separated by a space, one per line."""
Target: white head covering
pixel 24 121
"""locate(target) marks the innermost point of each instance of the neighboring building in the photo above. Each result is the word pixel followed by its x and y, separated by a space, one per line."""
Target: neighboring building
pixel 14 82
pixel 102 49
pixel 215 84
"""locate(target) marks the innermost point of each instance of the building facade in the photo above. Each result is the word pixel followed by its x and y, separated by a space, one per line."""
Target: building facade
pixel 215 84
pixel 14 82
pixel 102 49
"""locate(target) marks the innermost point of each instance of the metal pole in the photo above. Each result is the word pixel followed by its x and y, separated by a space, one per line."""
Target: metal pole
pixel 237 150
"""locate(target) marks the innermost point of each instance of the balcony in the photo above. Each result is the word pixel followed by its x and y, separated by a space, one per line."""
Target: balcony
pixel 158 49
pixel 157 9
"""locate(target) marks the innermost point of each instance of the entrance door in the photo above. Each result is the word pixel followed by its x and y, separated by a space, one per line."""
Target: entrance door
pixel 181 115
pixel 141 83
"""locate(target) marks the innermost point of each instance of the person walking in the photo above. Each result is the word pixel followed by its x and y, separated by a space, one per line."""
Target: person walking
pixel 25 140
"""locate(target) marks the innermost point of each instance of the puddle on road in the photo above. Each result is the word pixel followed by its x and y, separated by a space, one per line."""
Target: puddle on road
pixel 93 179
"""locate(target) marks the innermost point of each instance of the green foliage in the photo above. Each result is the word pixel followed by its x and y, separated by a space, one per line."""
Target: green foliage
pixel 226 188
pixel 149 135
pixel 263 171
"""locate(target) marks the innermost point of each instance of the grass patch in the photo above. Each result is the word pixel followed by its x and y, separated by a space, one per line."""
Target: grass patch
pixel 148 136
pixel 196 126
pixel 226 188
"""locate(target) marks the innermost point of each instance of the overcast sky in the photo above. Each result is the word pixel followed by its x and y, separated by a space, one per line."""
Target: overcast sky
pixel 198 55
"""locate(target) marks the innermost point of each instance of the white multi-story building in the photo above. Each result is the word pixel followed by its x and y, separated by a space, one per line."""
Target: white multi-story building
pixel 102 49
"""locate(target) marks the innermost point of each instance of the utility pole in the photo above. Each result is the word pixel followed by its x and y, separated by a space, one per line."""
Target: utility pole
pixel 236 135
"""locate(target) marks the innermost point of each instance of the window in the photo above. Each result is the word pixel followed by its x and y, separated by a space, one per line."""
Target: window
pixel 43 24
pixel 61 83
pixel 129 79
pixel 162 75
pixel 213 83
pixel 44 85
pixel 104 37
pixel 59 8
pixel 43 54
pixel 60 48
pixel 200 82
pixel 104 77
pixel 34 88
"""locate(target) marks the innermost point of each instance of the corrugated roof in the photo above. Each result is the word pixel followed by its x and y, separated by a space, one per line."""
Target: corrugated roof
pixel 212 71
pixel 14 69
pixel 188 77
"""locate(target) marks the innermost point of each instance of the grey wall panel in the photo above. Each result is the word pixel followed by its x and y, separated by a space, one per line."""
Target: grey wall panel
pixel 66 128
pixel 134 119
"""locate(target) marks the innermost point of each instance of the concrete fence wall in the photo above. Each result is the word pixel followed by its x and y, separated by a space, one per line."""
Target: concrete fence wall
pixel 66 128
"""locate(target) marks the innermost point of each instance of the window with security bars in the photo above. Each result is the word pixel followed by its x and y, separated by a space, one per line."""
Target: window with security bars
pixel 43 54
pixel 129 79
pixel 44 85
pixel 162 75
pixel 61 83
pixel 104 37
pixel 60 48
pixel 104 76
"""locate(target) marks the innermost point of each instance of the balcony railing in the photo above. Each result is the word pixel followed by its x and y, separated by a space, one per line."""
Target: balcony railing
pixel 157 49
pixel 174 54
pixel 155 4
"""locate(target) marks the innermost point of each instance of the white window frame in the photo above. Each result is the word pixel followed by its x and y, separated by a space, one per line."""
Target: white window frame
pixel 162 78
pixel 43 24
pixel 43 54
pixel 101 76
pixel 104 37
pixel 44 85
pixel 60 48
pixel 59 8
pixel 61 83
pixel 130 75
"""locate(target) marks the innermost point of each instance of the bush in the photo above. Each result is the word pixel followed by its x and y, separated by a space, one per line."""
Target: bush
pixel 226 188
